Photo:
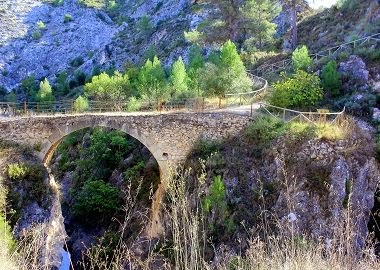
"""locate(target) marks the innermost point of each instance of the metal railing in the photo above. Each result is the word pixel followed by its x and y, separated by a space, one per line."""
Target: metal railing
pixel 327 53
pixel 288 115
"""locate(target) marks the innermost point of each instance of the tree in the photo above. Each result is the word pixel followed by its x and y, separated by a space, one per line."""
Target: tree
pixel 62 86
pixel 104 87
pixel 223 20
pixel 258 16
pixel 302 90
pixel 233 74
pixel 29 87
pixel 45 93
pixel 293 5
pixel 331 78
pixel 301 59
pixel 81 104
pixel 152 80
pixel 3 93
pixel 179 79
pixel 196 63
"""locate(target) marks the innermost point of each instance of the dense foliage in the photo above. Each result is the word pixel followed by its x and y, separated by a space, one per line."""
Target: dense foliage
pixel 301 59
pixel 331 79
pixel 301 90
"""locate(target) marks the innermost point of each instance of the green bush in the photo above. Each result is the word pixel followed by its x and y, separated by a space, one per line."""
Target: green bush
pixel 77 61
pixel 36 34
pixel 67 18
pixel 6 235
pixel 40 25
pixel 17 171
pixel 133 104
pixel 302 90
pixel 301 59
pixel 265 129
pixel 96 201
pixel 331 78
pixel 217 196
pixel 81 104
pixel 144 25
pixel 204 148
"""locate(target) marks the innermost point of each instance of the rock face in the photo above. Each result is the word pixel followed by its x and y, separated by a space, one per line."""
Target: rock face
pixel 334 188
pixel 89 35
pixel 355 70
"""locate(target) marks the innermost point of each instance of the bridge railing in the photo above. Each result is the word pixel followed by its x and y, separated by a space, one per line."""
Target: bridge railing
pixel 198 104
pixel 326 53
pixel 288 115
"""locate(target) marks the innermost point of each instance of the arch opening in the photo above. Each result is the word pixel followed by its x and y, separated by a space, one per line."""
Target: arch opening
pixel 95 147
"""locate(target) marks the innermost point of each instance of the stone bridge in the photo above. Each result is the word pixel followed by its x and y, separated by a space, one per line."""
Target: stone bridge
pixel 169 137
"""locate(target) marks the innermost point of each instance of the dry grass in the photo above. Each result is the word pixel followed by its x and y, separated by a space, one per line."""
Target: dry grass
pixel 284 250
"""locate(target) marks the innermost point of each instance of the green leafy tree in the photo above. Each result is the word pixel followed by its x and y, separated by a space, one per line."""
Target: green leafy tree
pixel 115 88
pixel 302 90
pixel 301 59
pixel 179 79
pixel 45 94
pixel 196 63
pixel 210 83
pixel 258 20
pixel 233 75
pixel 152 80
pixel 331 78
pixel 81 104
pixel 97 200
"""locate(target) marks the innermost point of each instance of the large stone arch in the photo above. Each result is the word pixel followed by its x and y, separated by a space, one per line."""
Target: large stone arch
pixel 164 163
pixel 61 131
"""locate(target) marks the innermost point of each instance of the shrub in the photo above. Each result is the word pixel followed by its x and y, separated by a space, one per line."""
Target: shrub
pixel 301 59
pixel 302 90
pixel 81 104
pixel 45 93
pixel 17 171
pixel 77 61
pixel 40 25
pixel 36 34
pixel 331 78
pixel 265 129
pixel 144 25
pixel 133 104
pixel 96 200
pixel 217 197
pixel 204 148
pixel 67 18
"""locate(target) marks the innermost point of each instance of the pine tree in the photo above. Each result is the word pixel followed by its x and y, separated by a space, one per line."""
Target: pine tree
pixel 331 78
pixel 258 20
pixel 152 80
pixel 233 72
pixel 45 93
pixel 223 20
pixel 179 79
pixel 196 63
pixel 292 5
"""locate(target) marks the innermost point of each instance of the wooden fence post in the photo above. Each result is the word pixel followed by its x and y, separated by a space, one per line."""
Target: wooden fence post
pixel 71 105
pixel 25 108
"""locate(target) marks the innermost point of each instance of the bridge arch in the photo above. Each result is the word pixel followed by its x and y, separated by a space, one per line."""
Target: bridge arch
pixel 61 131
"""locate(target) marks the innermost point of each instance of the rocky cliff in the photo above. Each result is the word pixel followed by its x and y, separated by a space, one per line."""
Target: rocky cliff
pixel 40 38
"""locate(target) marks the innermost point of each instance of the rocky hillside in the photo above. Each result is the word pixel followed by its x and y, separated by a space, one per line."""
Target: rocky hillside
pixel 42 38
